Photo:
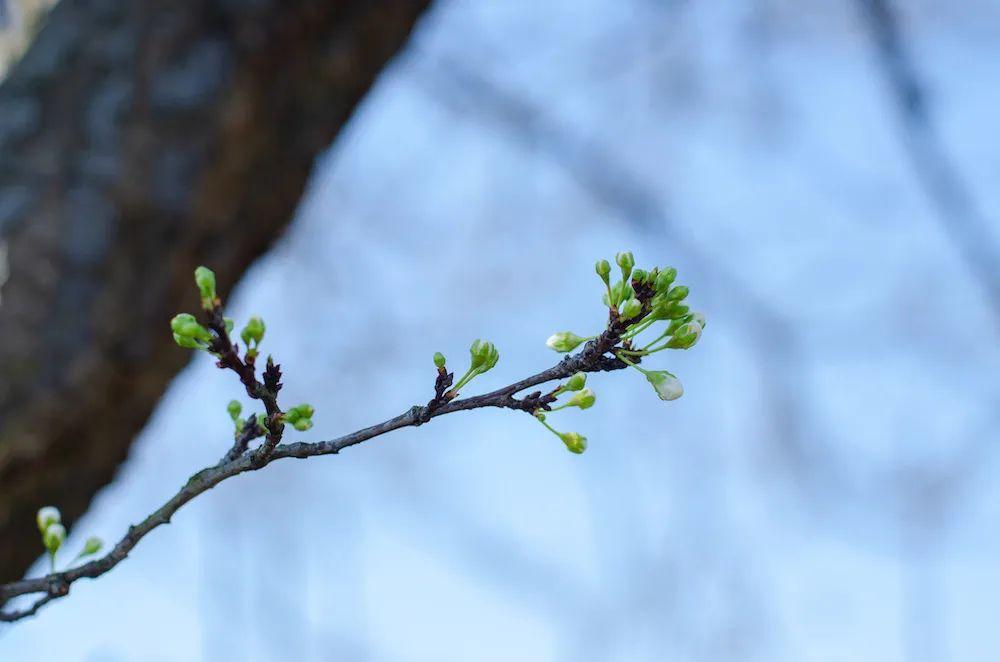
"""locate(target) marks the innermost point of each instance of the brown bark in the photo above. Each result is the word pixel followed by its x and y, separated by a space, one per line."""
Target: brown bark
pixel 137 140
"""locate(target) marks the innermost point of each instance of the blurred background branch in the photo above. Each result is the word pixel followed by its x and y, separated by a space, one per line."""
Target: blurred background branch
pixel 970 232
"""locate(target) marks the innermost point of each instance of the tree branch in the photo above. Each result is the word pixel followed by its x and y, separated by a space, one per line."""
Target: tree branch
pixel 593 358
pixel 644 297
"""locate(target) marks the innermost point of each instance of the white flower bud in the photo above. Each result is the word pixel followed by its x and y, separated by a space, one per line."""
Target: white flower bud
pixel 667 386
pixel 47 516
pixel 564 341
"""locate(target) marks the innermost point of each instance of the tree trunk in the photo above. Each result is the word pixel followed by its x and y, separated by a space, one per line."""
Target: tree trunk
pixel 137 140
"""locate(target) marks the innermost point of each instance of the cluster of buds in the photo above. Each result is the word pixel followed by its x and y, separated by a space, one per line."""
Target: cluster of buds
pixel 581 397
pixel 191 334
pixel 636 302
pixel 54 534
pixel 483 356
pixel 252 335
pixel 300 417
pixel 234 408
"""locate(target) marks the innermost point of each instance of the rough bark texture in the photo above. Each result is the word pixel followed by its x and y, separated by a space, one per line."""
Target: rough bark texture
pixel 138 139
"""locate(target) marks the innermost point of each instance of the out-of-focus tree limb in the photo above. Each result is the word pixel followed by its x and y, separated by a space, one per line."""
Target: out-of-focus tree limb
pixel 138 139
pixel 953 202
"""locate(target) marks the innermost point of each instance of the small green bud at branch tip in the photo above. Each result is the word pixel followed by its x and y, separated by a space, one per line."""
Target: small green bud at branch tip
pixel 204 278
pixel 583 399
pixel 664 279
pixel 686 336
pixel 631 308
pixel 576 382
pixel 564 341
pixel 53 538
pixel 575 442
pixel 47 516
pixel 603 269
pixel 253 333
pixel 92 546
pixel 626 262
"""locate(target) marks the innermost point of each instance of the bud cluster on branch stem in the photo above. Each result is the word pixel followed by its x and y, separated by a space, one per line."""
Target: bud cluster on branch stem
pixel 640 302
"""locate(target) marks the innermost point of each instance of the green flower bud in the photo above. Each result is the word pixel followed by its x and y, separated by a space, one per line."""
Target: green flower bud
pixel 621 291
pixel 483 355
pixel 669 310
pixel 576 382
pixel 677 323
pixel 564 341
pixel 476 356
pixel 186 325
pixel 300 412
pixel 186 342
pixel 631 308
pixel 583 399
pixel 303 424
pixel 686 336
pixel 677 293
pixel 665 279
pixel 667 386
pixel 204 278
pixel 603 269
pixel 439 359
pixel 626 262
pixel 234 408
pixel 575 442
pixel 181 323
pixel 253 332
pixel 639 275
pixel 53 538
pixel 92 546
pixel 46 517
pixel 699 318
pixel 491 358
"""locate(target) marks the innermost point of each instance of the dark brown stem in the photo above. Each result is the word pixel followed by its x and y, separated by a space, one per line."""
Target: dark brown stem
pixel 267 392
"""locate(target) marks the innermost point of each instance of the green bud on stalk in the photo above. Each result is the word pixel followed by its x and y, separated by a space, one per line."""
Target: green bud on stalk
pixel 575 442
pixel 204 278
pixel 564 341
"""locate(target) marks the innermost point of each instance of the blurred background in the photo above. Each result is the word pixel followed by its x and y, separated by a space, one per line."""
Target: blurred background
pixel 824 177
